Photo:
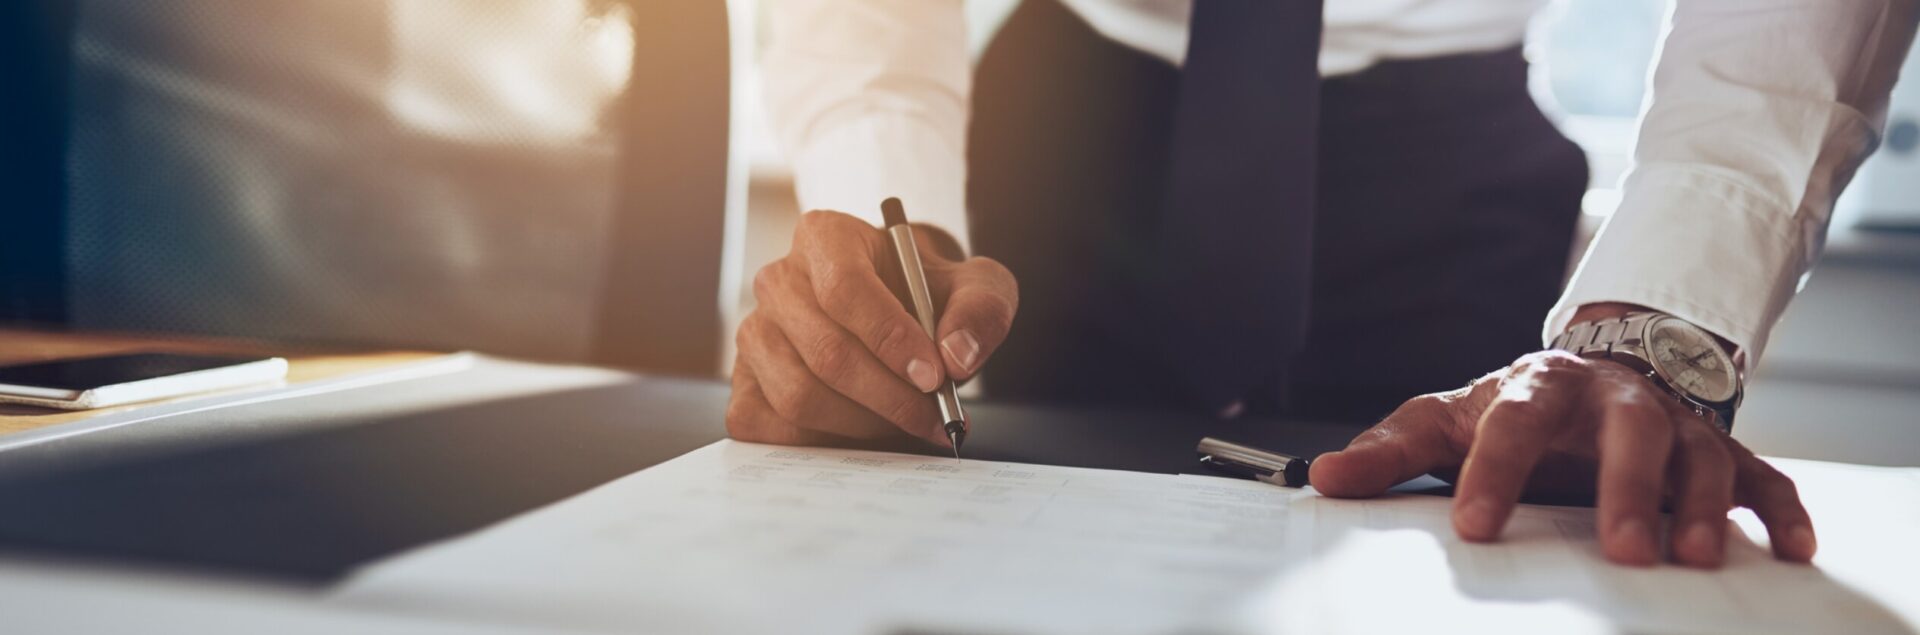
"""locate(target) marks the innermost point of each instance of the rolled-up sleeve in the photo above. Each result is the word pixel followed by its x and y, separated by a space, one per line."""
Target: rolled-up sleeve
pixel 1761 112
pixel 869 100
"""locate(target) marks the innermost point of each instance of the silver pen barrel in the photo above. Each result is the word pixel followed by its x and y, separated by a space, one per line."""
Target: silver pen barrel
pixel 953 419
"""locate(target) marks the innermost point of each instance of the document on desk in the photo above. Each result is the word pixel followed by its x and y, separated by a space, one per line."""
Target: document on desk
pixel 739 537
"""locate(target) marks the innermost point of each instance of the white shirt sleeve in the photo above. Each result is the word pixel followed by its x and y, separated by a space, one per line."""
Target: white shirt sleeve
pixel 869 99
pixel 1760 113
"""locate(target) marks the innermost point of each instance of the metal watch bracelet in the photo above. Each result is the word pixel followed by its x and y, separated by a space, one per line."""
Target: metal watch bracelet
pixel 1621 339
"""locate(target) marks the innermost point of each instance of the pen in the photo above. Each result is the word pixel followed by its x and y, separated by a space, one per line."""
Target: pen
pixel 922 307
pixel 1260 465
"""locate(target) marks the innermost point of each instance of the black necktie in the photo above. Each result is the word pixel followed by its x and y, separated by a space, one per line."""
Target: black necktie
pixel 1237 231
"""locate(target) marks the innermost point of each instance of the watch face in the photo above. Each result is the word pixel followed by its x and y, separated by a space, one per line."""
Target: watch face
pixel 1691 361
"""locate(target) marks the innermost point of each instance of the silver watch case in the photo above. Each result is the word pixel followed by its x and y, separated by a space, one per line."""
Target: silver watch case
pixel 1624 340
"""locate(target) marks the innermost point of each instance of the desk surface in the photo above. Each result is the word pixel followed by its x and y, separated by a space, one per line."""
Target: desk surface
pixel 303 489
pixel 306 487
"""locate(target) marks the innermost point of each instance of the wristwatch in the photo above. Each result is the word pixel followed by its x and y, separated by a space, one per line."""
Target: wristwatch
pixel 1682 359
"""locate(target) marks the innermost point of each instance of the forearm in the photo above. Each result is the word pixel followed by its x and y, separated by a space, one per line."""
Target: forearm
pixel 1760 114
pixel 869 100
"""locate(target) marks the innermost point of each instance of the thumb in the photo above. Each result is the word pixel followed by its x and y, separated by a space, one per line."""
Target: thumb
pixel 1410 442
pixel 981 300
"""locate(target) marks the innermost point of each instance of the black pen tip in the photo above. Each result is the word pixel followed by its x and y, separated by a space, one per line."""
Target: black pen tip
pixel 957 434
pixel 893 211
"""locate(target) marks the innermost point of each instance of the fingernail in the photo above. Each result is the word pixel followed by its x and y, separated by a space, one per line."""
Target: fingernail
pixel 923 375
pixel 1800 543
pixel 962 349
pixel 1477 520
pixel 1632 542
pixel 1702 543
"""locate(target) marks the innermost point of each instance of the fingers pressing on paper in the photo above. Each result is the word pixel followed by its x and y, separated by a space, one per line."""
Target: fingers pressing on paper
pixel 1557 424
pixel 1635 440
pixel 1774 498
pixel 1509 439
pixel 1408 443
pixel 1702 480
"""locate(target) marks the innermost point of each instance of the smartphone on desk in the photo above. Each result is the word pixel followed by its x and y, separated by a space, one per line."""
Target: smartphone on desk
pixel 98 382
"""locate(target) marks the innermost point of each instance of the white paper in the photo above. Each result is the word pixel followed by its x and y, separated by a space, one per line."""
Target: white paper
pixel 1395 565
pixel 738 537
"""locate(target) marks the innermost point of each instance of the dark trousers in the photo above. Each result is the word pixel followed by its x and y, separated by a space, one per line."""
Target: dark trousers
pixel 1446 212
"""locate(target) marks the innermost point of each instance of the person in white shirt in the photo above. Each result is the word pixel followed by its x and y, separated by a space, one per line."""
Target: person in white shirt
pixel 1122 156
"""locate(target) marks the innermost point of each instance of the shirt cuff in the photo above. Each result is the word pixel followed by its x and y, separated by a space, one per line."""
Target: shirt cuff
pixel 1700 244
pixel 853 166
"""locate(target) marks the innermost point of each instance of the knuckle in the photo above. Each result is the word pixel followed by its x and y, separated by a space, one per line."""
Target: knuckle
pixel 997 268
pixel 1378 434
pixel 766 281
pixel 1007 300
pixel 742 420
pixel 1543 369
pixel 892 339
pixel 1640 411
pixel 817 220
pixel 1546 358
pixel 997 271
pixel 1519 412
pixel 744 335
pixel 1783 489
pixel 1709 450
pixel 752 331
pixel 1429 406
pixel 1635 394
pixel 834 286
pixel 1431 403
pixel 1538 374
pixel 1441 408
pixel 786 399
pixel 1713 461
pixel 1559 365
pixel 830 356
pixel 997 311
pixel 826 221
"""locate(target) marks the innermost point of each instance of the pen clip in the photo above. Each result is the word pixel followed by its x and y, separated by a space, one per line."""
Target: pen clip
pixel 1251 462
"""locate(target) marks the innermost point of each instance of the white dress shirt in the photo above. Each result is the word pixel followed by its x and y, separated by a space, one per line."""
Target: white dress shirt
pixel 1760 112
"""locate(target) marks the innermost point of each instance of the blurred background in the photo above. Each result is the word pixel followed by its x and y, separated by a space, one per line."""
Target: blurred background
pixel 593 181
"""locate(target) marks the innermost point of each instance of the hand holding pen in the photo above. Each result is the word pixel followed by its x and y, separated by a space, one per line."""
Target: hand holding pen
pixel 831 353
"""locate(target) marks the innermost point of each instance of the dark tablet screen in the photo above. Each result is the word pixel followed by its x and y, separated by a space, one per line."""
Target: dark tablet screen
pixel 87 373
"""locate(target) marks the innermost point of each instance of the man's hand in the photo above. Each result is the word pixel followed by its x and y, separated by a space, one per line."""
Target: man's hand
pixel 830 353
pixel 1557 423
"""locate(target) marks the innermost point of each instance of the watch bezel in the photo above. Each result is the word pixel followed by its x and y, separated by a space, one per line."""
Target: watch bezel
pixel 1659 371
